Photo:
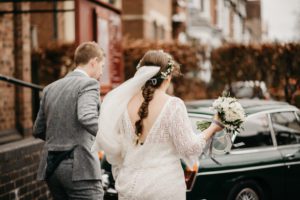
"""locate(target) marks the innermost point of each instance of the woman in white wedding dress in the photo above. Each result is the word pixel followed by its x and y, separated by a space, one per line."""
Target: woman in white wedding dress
pixel 145 132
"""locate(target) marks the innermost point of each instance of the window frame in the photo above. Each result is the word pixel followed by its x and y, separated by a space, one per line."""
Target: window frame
pixel 271 133
pixel 255 149
pixel 294 111
pixel 250 149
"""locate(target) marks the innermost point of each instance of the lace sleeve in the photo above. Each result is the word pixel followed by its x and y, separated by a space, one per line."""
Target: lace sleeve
pixel 186 142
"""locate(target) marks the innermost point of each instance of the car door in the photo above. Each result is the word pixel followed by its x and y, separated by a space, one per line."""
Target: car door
pixel 286 126
pixel 254 158
pixel 258 156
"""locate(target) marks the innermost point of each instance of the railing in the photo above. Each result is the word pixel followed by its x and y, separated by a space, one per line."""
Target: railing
pixel 13 135
pixel 20 82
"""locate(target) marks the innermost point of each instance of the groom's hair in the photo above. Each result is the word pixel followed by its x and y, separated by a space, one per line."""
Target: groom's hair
pixel 87 51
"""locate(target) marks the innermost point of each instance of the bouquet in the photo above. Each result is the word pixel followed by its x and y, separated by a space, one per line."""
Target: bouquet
pixel 230 112
pixel 230 115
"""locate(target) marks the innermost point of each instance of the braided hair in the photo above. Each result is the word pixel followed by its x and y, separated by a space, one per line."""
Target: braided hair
pixel 168 67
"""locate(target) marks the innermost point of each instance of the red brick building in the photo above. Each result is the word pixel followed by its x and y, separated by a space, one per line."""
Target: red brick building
pixel 253 20
pixel 18 160
pixel 25 26
pixel 147 19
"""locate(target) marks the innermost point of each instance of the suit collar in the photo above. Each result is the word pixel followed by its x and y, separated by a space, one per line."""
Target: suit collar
pixel 76 73
pixel 81 71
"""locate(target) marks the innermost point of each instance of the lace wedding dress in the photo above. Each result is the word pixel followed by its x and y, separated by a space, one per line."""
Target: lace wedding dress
pixel 153 171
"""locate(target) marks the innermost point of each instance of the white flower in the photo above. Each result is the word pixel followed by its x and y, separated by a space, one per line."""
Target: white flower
pixel 231 112
pixel 231 115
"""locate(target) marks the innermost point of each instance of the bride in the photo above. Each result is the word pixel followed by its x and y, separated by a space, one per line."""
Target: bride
pixel 144 133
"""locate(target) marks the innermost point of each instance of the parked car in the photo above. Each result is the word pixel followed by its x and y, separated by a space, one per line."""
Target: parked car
pixel 263 163
pixel 249 90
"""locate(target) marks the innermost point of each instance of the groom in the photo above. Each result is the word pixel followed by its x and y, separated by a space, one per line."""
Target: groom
pixel 68 122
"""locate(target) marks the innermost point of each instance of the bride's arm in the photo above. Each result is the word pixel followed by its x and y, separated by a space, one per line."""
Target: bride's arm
pixel 186 142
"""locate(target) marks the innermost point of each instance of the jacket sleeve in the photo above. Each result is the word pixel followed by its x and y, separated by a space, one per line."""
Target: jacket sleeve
pixel 39 128
pixel 88 106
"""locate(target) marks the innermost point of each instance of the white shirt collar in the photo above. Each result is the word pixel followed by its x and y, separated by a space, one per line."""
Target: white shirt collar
pixel 81 71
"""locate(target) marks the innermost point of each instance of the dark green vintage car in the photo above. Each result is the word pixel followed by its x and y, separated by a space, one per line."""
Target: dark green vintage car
pixel 263 163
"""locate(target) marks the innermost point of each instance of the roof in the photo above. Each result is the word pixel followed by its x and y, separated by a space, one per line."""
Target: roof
pixel 251 106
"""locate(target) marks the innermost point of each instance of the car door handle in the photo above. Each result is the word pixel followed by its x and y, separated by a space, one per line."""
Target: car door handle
pixel 289 156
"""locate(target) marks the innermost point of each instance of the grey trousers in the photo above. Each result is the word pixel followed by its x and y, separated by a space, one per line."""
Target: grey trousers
pixel 62 187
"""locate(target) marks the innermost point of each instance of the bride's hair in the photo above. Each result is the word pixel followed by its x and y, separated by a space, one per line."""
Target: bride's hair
pixel 168 67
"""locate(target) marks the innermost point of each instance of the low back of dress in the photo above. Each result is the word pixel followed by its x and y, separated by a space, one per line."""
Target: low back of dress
pixel 153 170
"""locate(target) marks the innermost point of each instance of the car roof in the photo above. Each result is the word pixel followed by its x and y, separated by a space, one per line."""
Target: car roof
pixel 251 106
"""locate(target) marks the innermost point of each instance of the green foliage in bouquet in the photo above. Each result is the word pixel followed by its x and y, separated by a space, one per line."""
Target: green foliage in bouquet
pixel 202 125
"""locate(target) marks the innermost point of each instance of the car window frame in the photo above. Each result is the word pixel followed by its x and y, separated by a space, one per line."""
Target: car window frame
pixel 268 113
pixel 264 148
pixel 295 111
pixel 251 149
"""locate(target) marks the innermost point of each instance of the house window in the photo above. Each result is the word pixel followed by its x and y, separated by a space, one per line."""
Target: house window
pixel 214 13
pixel 161 33
pixel 154 28
pixel 158 32
pixel 202 5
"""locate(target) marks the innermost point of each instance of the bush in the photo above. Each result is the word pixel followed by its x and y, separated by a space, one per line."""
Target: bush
pixel 278 65
pixel 52 62
pixel 189 56
pixel 56 60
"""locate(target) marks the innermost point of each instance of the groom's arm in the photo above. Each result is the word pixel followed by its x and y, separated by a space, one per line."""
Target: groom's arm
pixel 88 106
pixel 39 128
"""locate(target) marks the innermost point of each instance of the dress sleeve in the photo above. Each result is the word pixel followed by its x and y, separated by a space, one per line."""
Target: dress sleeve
pixel 186 142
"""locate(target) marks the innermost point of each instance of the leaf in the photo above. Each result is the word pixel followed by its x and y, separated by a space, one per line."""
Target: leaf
pixel 202 125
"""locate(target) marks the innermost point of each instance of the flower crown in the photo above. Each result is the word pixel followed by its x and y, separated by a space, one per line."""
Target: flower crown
pixel 164 75
pixel 170 68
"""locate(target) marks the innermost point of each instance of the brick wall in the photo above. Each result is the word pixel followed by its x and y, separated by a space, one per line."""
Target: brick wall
pixel 23 69
pixel 162 7
pixel 253 20
pixel 44 23
pixel 15 102
pixel 213 12
pixel 7 91
pixel 133 7
pixel 19 163
pixel 18 160
pixel 139 17
pixel 132 22
pixel 133 29
pixel 161 13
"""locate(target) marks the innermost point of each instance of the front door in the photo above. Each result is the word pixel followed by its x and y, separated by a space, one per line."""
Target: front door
pixel 286 127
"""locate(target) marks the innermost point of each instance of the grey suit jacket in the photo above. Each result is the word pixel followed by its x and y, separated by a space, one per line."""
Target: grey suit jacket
pixel 68 116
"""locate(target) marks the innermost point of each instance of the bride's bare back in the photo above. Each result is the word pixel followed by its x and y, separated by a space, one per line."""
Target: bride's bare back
pixel 155 107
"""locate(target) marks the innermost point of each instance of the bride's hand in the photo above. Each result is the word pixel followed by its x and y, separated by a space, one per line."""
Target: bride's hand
pixel 217 124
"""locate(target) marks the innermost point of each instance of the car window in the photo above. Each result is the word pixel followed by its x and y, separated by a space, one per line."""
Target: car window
pixel 298 115
pixel 219 145
pixel 256 133
pixel 286 127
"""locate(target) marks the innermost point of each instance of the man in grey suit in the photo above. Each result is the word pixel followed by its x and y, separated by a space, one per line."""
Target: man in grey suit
pixel 68 122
